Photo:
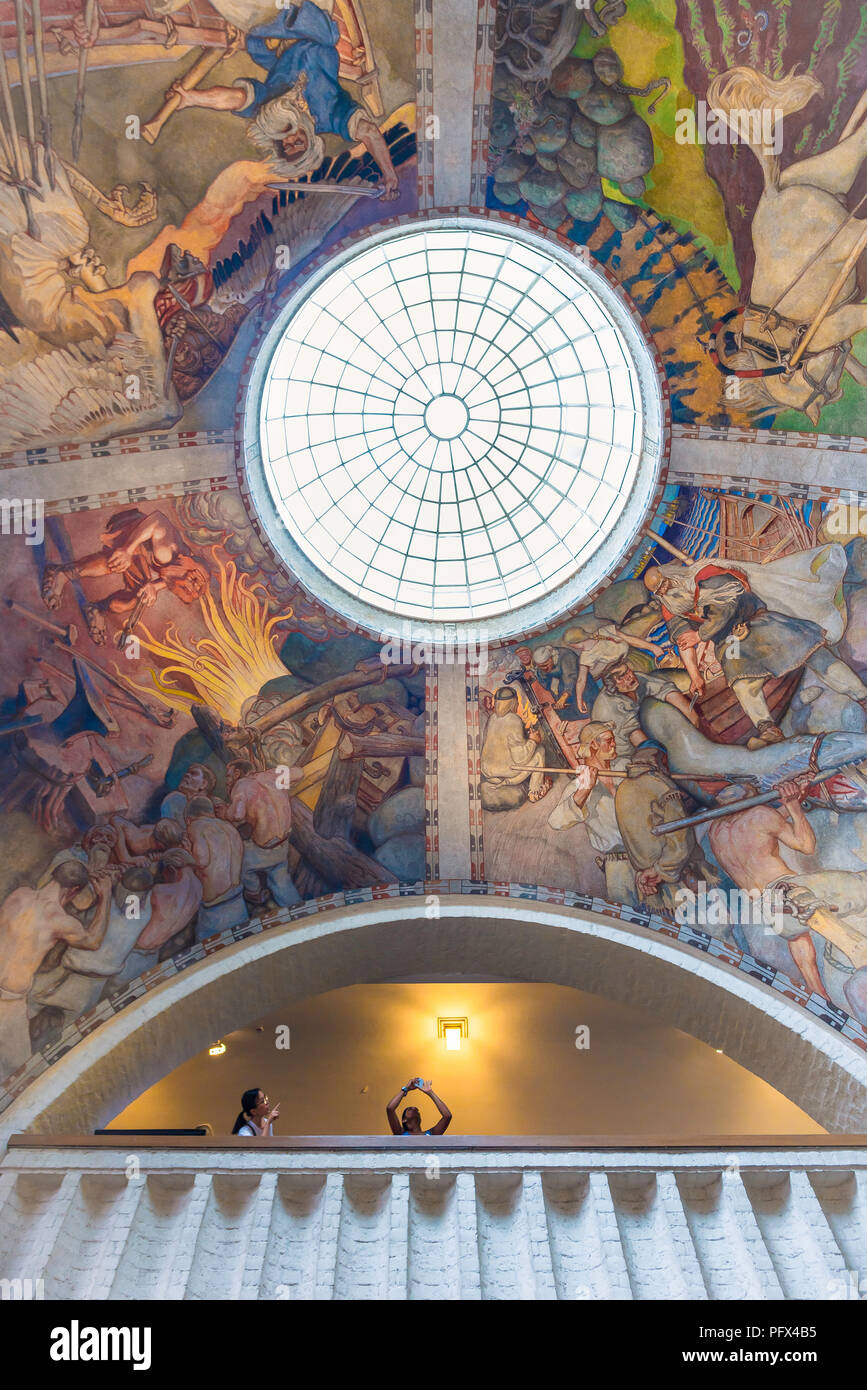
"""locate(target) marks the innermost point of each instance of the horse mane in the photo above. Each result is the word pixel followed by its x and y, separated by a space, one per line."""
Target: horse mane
pixel 736 93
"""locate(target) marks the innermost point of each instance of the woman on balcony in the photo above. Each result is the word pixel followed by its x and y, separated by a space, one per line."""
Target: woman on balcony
pixel 410 1119
pixel 257 1115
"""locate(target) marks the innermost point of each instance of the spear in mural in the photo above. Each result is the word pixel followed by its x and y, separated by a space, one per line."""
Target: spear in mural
pixel 42 88
pixel 27 95
pixel 12 151
pixel 829 300
pixel 622 772
pixel 81 83
pixel 762 799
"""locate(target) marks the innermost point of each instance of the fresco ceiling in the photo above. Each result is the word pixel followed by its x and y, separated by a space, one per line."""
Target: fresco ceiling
pixel 194 745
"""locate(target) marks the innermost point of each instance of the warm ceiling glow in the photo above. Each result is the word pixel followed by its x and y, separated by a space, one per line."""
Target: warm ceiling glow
pixel 453 1039
pixel 217 1050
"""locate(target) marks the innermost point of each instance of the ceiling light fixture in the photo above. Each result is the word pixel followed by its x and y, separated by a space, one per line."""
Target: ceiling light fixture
pixel 453 1030
pixel 218 1049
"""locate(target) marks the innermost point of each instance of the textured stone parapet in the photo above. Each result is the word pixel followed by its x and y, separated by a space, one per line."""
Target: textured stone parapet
pixel 426 1222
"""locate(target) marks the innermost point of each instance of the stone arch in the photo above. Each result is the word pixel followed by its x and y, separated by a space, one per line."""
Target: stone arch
pixel 755 1025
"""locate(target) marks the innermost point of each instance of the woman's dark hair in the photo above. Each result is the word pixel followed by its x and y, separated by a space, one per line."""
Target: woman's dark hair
pixel 403 1115
pixel 248 1102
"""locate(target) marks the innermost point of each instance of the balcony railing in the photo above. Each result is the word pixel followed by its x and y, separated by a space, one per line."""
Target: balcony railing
pixel 769 1217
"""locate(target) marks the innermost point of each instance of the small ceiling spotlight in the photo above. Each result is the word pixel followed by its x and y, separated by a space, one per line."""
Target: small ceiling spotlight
pixel 453 1030
pixel 217 1050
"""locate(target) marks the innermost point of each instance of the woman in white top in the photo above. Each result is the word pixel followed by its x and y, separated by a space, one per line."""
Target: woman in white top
pixel 257 1115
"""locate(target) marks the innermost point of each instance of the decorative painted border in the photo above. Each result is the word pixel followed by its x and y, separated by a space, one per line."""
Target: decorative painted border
pixel 484 75
pixel 742 483
pixel 431 772
pixel 424 100
pixel 111 448
pixel 191 439
pixel 792 439
pixel 842 1023
pixel 474 775
pixel 184 487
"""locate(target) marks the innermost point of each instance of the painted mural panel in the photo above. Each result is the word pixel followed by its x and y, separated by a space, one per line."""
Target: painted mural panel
pixel 187 742
pixel 693 742
pixel 190 745
pixel 711 154
pixel 147 223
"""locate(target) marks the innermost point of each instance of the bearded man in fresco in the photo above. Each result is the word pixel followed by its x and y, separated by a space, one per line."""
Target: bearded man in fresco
pixel 300 99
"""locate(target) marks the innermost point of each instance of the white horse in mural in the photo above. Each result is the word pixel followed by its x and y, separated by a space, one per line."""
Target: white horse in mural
pixel 798 326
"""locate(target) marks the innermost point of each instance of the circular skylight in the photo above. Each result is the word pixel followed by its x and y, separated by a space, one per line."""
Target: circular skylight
pixel 449 424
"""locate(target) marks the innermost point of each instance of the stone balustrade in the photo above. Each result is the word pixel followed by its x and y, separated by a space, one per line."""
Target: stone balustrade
pixel 782 1217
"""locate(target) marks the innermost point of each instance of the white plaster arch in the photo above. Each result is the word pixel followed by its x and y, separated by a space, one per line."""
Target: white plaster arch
pixel 755 1025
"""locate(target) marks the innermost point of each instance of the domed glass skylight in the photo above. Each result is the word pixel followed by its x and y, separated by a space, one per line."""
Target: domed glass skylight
pixel 451 424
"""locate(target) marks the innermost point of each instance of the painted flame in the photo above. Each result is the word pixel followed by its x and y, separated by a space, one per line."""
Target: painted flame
pixel 529 717
pixel 226 668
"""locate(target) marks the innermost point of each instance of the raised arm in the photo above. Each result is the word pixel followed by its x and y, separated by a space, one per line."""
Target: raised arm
pixel 642 643
pixel 446 1115
pixel 797 833
pixel 391 1108
pixel 580 687
pixel 371 137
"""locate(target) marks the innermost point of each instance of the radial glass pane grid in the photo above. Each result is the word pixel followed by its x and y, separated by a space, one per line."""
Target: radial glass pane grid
pixel 450 423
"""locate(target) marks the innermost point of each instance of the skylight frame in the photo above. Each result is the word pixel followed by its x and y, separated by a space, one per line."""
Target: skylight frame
pixel 522 438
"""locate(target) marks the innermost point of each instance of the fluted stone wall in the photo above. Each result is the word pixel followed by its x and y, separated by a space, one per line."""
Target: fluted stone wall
pixel 249 1223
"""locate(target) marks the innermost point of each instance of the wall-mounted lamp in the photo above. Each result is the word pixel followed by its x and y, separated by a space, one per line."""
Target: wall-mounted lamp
pixel 453 1030
pixel 217 1050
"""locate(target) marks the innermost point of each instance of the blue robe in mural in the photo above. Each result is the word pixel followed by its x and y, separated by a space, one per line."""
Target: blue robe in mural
pixel 311 50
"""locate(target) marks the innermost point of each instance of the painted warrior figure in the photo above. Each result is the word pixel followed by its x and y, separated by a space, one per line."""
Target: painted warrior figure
pixel 197 338
pixel 149 554
pixel 300 99
pixel 795 335
pixel 718 603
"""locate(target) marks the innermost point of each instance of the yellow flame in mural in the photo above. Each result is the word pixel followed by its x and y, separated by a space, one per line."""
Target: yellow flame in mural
pixel 231 665
pixel 528 716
